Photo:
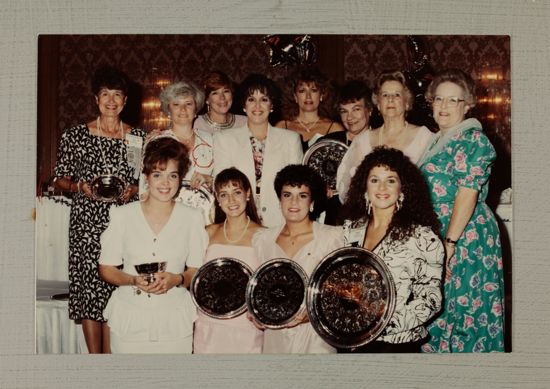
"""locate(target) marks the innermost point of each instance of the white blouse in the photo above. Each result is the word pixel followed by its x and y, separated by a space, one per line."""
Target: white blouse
pixel 129 241
pixel 416 266
pixel 361 146
pixel 302 338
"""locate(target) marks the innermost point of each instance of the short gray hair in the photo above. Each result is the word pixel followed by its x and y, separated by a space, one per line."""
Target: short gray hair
pixel 181 89
pixel 458 77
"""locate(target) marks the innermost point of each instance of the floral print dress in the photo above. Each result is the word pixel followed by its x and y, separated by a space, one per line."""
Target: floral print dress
pixel 473 313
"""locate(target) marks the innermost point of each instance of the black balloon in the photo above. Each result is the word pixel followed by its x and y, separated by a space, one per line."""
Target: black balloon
pixel 419 75
pixel 290 50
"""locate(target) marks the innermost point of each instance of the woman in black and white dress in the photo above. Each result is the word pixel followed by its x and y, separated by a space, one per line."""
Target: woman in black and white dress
pixel 103 145
pixel 389 212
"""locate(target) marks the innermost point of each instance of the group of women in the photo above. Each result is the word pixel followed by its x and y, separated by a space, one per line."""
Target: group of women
pixel 414 198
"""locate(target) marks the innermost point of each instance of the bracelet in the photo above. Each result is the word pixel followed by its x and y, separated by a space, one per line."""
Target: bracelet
pixel 450 241
pixel 182 280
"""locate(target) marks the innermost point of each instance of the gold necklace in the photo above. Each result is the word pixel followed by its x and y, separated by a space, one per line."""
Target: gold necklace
pixel 308 128
pixel 242 233
pixel 380 138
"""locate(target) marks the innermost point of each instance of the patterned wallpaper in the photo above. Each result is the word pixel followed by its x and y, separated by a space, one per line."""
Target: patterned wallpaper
pixel 146 58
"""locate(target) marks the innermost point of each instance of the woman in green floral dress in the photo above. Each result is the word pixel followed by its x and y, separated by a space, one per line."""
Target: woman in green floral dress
pixel 457 167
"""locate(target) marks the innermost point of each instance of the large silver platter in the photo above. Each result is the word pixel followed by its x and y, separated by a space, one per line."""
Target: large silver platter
pixel 276 293
pixel 200 198
pixel 107 187
pixel 350 297
pixel 218 288
pixel 325 157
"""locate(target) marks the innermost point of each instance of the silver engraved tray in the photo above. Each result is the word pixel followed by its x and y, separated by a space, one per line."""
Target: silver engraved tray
pixel 218 288
pixel 325 157
pixel 351 297
pixel 276 292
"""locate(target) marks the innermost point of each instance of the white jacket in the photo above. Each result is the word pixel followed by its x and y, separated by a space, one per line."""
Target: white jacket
pixel 232 148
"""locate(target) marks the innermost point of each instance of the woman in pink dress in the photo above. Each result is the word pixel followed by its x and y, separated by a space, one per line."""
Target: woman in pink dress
pixel 236 221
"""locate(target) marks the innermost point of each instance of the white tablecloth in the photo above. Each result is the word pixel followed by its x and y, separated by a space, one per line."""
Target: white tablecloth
pixel 55 332
pixel 52 238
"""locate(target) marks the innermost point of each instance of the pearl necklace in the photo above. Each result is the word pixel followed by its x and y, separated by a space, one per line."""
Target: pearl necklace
pixel 240 236
pixel 308 128
pixel 220 126
pixel 380 138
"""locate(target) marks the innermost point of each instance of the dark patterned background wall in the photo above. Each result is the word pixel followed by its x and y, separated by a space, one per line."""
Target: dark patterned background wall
pixel 67 62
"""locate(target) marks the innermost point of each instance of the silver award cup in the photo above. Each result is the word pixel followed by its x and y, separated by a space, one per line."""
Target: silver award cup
pixel 218 288
pixel 107 187
pixel 350 297
pixel 148 270
pixel 324 157
pixel 276 293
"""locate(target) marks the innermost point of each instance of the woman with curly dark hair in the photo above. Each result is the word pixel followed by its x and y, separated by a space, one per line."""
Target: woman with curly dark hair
pixel 389 212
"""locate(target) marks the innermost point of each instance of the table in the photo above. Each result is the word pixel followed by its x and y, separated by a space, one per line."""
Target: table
pixel 55 332
pixel 52 238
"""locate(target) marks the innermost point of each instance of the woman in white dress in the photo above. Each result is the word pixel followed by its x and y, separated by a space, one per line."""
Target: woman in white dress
pixel 236 221
pixel 219 90
pixel 393 99
pixel 302 195
pixel 157 316
pixel 389 212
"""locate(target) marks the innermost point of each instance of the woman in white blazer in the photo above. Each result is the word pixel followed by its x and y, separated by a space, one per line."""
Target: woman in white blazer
pixel 258 149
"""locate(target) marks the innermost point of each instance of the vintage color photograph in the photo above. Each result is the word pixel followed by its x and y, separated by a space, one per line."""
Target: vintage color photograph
pixel 273 194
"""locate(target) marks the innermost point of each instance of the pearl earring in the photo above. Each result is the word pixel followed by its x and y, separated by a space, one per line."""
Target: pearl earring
pixel 311 207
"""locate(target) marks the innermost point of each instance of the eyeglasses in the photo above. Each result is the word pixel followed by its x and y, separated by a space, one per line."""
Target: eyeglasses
pixel 452 101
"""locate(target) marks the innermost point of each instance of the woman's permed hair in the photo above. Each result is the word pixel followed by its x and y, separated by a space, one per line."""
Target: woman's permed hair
pixel 457 77
pixel 161 150
pixel 235 177
pixel 110 78
pixel 398 76
pixel 417 208
pixel 298 175
pixel 181 89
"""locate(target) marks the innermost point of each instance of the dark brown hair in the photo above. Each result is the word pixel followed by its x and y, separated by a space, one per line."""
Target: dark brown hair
pixel 163 149
pixel 110 78
pixel 298 175
pixel 234 176
pixel 417 208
